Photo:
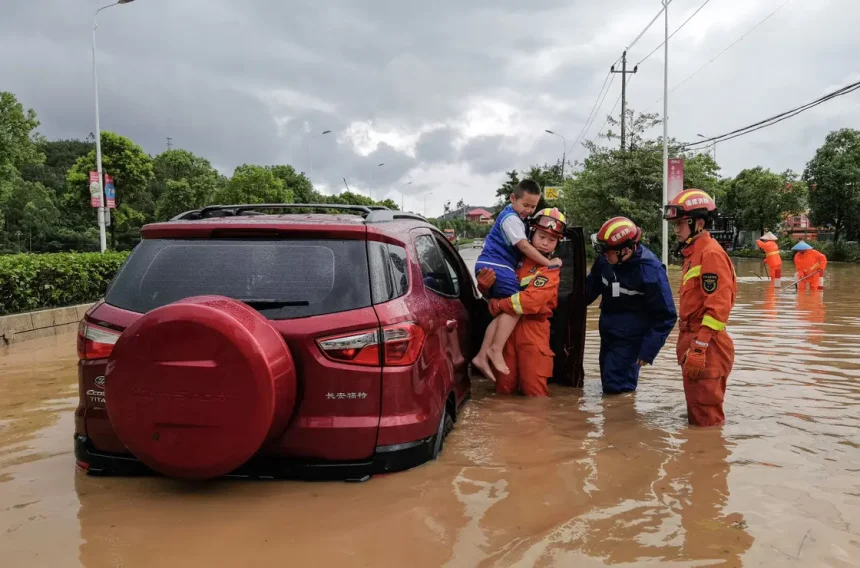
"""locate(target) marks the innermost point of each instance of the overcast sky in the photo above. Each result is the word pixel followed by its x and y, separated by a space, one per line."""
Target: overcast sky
pixel 447 94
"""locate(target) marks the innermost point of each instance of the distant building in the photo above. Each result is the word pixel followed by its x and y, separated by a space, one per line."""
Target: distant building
pixel 799 227
pixel 476 214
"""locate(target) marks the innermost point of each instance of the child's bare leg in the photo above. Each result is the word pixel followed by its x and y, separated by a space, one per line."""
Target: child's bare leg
pixel 504 328
pixel 481 361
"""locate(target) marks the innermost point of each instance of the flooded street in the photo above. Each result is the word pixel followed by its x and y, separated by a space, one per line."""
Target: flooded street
pixel 577 480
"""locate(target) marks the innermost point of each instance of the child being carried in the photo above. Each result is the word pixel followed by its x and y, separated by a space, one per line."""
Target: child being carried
pixel 504 248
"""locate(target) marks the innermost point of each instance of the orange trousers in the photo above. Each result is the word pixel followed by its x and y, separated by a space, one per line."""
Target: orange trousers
pixel 529 358
pixel 813 282
pixel 775 270
pixel 705 393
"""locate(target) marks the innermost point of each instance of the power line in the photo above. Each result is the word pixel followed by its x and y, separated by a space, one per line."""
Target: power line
pixel 673 33
pixel 651 23
pixel 776 118
pixel 593 109
pixel 766 18
pixel 606 121
pixel 591 122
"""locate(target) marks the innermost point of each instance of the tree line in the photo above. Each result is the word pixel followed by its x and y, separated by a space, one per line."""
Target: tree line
pixel 610 182
pixel 44 186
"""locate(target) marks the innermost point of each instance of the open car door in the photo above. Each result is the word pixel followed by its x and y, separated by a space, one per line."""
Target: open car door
pixel 567 325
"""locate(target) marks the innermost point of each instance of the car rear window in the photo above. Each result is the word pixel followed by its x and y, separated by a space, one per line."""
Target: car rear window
pixel 283 279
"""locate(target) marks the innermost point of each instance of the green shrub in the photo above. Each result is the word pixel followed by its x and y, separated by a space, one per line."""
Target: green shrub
pixel 34 281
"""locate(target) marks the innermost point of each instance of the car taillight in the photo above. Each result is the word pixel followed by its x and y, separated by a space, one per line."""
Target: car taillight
pixel 95 342
pixel 401 345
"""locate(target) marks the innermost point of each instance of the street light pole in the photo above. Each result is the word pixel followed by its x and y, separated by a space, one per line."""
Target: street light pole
pixel 564 151
pixel 713 146
pixel 324 132
pixel 666 130
pixel 370 190
pixel 101 212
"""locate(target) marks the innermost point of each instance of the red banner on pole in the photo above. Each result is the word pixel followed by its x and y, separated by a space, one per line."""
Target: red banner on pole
pixel 95 190
pixel 676 177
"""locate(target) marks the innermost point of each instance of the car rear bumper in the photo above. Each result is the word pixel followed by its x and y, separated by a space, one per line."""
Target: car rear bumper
pixel 386 459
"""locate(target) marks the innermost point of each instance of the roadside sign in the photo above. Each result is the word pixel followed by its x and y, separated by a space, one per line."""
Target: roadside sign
pixel 95 190
pixel 676 177
pixel 110 192
pixel 552 192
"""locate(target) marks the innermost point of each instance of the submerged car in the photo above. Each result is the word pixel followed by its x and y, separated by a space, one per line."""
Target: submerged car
pixel 297 340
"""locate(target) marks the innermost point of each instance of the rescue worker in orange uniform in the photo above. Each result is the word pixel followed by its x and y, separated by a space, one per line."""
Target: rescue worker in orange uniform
pixel 527 353
pixel 772 260
pixel 708 291
pixel 809 261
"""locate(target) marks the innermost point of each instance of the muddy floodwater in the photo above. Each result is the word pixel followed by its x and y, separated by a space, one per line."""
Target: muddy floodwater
pixel 578 480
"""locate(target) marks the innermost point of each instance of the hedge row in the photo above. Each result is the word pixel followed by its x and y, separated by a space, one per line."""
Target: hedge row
pixel 34 281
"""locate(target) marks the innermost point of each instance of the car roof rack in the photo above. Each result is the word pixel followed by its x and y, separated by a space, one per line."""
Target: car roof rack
pixel 370 213
pixel 385 215
pixel 249 208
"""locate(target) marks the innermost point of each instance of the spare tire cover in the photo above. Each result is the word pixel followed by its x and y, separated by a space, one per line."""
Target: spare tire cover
pixel 194 388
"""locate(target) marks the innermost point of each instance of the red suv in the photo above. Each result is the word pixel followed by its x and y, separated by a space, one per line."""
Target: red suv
pixel 242 340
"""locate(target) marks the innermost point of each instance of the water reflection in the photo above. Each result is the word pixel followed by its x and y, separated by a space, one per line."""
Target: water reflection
pixel 576 480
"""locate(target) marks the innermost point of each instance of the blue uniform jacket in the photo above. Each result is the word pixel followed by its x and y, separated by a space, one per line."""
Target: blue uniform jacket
pixel 498 251
pixel 642 308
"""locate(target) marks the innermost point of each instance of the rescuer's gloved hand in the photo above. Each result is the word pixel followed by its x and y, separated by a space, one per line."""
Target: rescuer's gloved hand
pixel 694 362
pixel 486 278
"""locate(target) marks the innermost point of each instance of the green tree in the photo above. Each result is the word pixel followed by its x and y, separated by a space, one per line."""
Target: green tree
pixel 303 190
pixel 28 207
pixel 131 169
pixel 630 182
pixel 60 155
pixel 761 199
pixel 833 176
pixel 18 141
pixel 181 181
pixel 253 184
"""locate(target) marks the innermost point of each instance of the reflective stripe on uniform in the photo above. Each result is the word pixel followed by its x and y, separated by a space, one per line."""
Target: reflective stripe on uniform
pixel 525 281
pixel 692 273
pixel 515 302
pixel 713 323
pixel 771 253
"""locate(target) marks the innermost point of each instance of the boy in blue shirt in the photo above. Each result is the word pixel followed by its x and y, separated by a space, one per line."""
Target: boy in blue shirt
pixel 504 248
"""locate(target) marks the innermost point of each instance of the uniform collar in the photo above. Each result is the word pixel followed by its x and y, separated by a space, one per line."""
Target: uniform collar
pixel 699 241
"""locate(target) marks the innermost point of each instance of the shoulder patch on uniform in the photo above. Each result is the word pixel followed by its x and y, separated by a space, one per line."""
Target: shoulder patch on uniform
pixel 709 282
pixel 540 281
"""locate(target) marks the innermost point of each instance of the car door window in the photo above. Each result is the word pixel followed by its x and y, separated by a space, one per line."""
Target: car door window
pixel 452 263
pixel 437 276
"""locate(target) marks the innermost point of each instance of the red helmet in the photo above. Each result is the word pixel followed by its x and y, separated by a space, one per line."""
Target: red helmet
pixel 690 204
pixel 550 221
pixel 616 234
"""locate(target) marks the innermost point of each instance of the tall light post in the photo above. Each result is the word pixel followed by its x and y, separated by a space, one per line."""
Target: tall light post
pixel 370 190
pixel 666 130
pixel 102 233
pixel 311 149
pixel 564 152
pixel 425 203
pixel 403 199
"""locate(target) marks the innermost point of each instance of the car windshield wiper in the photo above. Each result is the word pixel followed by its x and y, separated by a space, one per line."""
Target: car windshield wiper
pixel 272 303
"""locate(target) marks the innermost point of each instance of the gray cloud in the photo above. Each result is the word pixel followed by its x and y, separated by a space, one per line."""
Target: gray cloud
pixel 258 81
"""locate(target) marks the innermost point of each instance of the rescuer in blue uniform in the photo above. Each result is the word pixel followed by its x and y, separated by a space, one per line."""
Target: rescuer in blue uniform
pixel 637 312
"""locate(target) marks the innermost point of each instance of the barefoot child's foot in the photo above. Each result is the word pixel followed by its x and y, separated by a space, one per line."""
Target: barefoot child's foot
pixel 498 361
pixel 483 365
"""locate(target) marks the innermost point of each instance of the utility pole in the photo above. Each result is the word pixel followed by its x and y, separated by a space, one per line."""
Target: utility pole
pixel 665 255
pixel 169 143
pixel 624 72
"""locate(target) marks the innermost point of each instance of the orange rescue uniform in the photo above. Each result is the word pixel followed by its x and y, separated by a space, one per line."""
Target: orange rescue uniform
pixel 771 258
pixel 708 292
pixel 527 353
pixel 808 262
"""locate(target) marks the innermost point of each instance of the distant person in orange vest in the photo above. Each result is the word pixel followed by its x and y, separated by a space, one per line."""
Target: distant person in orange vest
pixel 772 260
pixel 809 261
pixel 709 288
